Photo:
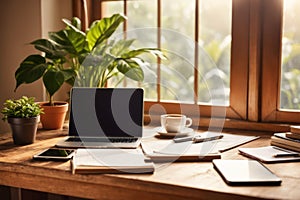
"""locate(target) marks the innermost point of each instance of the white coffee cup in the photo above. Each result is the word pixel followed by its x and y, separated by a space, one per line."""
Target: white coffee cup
pixel 175 123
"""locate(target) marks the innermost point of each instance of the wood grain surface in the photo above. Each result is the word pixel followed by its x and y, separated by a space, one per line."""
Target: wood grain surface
pixel 182 180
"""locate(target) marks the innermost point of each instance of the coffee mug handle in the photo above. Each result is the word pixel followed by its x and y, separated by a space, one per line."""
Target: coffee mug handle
pixel 189 122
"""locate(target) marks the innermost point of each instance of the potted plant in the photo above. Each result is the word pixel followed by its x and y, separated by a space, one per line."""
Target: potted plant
pixel 23 116
pixel 101 58
pixel 87 56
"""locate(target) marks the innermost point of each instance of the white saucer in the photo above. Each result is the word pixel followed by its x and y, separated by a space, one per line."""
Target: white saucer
pixel 163 132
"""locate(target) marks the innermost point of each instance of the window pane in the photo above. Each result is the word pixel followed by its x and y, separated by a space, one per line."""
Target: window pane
pixel 214 51
pixel 290 67
pixel 142 23
pixel 142 27
pixel 178 41
pixel 112 7
pixel 177 74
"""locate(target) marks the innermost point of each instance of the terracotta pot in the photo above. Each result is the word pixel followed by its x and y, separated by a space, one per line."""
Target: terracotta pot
pixel 54 116
pixel 24 129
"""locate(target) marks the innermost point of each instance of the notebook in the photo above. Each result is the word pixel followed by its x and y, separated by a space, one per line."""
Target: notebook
pixel 105 118
pixel 90 161
pixel 268 154
pixel 170 151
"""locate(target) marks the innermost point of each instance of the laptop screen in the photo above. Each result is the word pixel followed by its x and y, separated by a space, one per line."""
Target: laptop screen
pixel 106 112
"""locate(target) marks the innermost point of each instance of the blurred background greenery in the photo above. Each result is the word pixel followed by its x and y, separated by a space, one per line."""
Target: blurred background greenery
pixel 178 39
pixel 290 68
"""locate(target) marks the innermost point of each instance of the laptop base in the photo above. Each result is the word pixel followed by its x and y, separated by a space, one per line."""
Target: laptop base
pixel 90 142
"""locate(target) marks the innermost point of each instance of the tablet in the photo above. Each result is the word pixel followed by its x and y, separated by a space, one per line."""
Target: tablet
pixel 245 172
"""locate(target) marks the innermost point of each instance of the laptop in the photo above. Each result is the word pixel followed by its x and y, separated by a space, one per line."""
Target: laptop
pixel 105 118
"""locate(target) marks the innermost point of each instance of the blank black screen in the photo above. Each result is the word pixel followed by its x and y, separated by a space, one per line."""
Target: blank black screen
pixel 57 152
pixel 106 112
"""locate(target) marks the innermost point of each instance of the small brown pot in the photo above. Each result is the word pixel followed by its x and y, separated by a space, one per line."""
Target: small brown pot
pixel 24 129
pixel 54 116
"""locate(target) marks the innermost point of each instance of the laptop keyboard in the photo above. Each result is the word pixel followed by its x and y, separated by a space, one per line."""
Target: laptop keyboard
pixel 112 140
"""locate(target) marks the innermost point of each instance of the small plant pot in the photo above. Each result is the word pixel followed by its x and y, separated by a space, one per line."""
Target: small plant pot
pixel 54 116
pixel 24 129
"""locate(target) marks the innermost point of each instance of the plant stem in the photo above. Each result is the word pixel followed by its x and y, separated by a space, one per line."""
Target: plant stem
pixel 51 102
pixel 121 79
pixel 102 79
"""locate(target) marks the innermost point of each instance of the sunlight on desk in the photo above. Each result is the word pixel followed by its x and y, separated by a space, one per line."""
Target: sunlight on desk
pixel 180 180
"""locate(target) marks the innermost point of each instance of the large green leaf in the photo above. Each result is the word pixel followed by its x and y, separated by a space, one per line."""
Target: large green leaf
pixel 50 48
pixel 93 61
pixel 102 29
pixel 136 52
pixel 69 76
pixel 76 39
pixel 70 40
pixel 74 34
pixel 131 69
pixel 74 24
pixel 121 47
pixel 61 38
pixel 30 70
pixel 53 80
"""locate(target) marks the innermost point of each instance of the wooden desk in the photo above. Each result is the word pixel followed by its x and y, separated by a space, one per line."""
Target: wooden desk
pixel 194 180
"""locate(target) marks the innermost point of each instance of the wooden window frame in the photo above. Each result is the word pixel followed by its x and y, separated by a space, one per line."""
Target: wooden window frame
pixel 256 41
pixel 271 65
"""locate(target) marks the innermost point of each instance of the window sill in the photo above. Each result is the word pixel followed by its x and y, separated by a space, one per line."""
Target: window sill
pixel 205 123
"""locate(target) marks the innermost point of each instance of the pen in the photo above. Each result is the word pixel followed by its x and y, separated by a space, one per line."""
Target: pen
pixel 183 139
pixel 282 149
pixel 199 139
pixel 286 155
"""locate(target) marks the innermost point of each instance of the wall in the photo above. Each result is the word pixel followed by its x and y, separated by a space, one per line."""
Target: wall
pixel 53 11
pixel 22 22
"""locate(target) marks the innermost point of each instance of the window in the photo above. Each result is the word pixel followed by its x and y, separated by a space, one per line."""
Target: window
pixel 202 40
pixel 227 59
pixel 280 63
pixel 290 57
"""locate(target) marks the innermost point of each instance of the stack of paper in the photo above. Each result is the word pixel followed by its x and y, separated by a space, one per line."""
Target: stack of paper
pixel 281 140
pixel 269 154
pixel 110 161
pixel 169 151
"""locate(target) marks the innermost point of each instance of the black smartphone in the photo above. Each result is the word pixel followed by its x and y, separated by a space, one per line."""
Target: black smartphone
pixel 55 154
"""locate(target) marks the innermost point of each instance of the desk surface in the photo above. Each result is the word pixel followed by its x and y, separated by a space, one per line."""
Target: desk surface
pixel 193 180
